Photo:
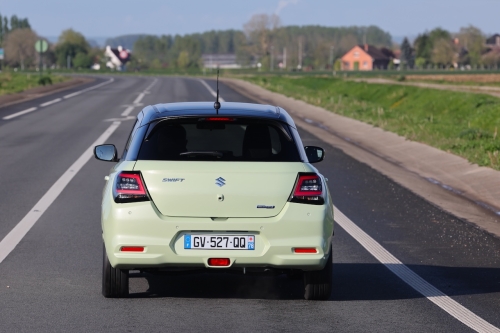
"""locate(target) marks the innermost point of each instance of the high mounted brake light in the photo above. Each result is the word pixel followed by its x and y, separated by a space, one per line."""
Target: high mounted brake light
pixel 129 187
pixel 308 189
pixel 217 119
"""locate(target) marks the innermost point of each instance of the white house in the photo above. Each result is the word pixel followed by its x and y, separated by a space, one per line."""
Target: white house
pixel 117 58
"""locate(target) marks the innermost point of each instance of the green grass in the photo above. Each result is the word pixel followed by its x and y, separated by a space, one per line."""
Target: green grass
pixel 12 82
pixel 465 124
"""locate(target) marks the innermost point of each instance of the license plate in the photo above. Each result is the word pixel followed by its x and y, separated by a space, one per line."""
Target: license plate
pixel 219 242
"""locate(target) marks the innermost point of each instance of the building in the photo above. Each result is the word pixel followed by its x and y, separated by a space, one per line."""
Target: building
pixel 219 61
pixel 366 58
pixel 116 58
pixel 493 40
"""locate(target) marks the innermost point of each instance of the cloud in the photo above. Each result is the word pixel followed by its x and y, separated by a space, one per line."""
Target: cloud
pixel 282 4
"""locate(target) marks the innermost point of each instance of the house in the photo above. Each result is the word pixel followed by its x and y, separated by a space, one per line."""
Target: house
pixel 117 58
pixel 493 40
pixel 219 61
pixel 366 58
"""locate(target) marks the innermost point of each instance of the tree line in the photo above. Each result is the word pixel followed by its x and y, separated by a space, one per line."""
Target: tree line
pixel 442 48
pixel 18 40
pixel 262 40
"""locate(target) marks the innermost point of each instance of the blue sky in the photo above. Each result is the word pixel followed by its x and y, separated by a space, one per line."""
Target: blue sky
pixel 108 18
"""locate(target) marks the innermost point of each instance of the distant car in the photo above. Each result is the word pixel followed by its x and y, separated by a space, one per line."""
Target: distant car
pixel 229 191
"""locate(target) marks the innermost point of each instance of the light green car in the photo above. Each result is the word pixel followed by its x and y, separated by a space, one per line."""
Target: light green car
pixel 218 191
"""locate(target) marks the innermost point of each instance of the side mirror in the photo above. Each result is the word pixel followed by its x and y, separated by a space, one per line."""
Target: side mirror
pixel 314 154
pixel 106 153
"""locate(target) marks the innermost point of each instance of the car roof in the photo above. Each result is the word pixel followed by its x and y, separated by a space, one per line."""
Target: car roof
pixel 188 109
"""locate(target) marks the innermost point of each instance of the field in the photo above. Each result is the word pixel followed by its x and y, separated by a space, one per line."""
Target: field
pixel 465 124
pixel 14 82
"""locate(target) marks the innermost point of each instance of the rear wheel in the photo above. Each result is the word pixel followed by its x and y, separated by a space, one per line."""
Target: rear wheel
pixel 114 281
pixel 318 284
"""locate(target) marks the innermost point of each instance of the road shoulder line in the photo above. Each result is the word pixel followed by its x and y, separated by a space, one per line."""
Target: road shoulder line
pixel 430 292
pixel 10 241
pixel 31 94
pixel 452 183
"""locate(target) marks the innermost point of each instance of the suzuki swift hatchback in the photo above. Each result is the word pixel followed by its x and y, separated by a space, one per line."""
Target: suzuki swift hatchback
pixel 229 191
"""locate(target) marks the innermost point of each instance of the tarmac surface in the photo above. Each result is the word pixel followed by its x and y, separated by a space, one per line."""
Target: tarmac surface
pixel 51 281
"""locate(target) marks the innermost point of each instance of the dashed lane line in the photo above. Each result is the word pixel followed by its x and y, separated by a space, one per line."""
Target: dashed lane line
pixel 430 292
pixel 50 102
pixel 10 241
pixel 20 113
pixel 88 89
pixel 137 101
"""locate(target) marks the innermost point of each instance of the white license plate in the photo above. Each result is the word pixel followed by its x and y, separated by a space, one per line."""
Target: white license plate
pixel 219 242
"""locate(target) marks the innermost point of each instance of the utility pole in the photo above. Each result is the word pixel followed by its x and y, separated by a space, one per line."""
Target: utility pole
pixel 284 57
pixel 331 55
pixel 299 66
pixel 272 60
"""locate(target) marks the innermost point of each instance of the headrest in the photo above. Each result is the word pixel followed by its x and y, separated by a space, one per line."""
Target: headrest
pixel 257 142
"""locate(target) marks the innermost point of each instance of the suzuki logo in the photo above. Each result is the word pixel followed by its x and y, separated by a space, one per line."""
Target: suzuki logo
pixel 220 182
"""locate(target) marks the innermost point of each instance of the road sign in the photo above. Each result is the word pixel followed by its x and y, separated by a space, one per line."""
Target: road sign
pixel 41 46
pixel 1 54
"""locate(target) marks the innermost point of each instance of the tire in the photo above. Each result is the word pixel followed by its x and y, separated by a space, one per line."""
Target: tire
pixel 114 281
pixel 318 284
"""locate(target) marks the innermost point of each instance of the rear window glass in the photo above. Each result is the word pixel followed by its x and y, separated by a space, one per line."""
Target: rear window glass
pixel 229 139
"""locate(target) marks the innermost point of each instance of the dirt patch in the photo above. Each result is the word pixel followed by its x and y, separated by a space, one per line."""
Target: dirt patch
pixel 480 78
pixel 29 94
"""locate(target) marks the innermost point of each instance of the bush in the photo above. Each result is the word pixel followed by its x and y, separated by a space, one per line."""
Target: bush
pixel 44 80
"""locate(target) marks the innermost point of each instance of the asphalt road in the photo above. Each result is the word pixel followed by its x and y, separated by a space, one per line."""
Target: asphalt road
pixel 52 280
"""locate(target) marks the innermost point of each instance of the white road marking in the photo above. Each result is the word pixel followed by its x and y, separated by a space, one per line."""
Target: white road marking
pixel 88 89
pixel 120 119
pixel 139 98
pixel 50 102
pixel 433 294
pixel 21 229
pixel 20 113
pixel 210 90
pixel 128 110
pixel 150 86
pixel 137 101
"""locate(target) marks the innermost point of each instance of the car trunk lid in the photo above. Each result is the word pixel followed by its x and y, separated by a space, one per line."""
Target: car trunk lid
pixel 219 189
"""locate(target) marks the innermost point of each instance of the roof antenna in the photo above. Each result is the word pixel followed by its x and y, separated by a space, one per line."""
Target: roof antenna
pixel 217 104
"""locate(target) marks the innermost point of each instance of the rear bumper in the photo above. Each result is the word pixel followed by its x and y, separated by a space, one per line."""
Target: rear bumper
pixel 140 224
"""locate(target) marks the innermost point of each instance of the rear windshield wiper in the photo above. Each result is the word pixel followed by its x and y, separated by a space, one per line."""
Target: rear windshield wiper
pixel 202 153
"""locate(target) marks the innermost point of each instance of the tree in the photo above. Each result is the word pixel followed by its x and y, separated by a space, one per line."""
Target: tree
pixel 183 60
pixel 407 54
pixel 443 52
pixel 473 40
pixel 20 47
pixel 70 43
pixel 5 25
pixel 259 31
pixel 423 47
pixel 14 22
pixel 1 30
pixel 82 60
pixel 420 62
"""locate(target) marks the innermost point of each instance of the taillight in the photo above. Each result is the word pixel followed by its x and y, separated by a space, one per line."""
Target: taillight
pixel 129 187
pixel 308 189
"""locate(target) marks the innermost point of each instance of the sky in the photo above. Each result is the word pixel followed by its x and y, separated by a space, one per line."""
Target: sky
pixel 111 18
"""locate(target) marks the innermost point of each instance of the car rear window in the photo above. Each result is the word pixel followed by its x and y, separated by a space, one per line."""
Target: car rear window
pixel 219 139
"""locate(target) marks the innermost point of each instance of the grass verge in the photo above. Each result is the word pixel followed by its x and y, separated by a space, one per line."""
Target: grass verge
pixel 12 82
pixel 465 124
